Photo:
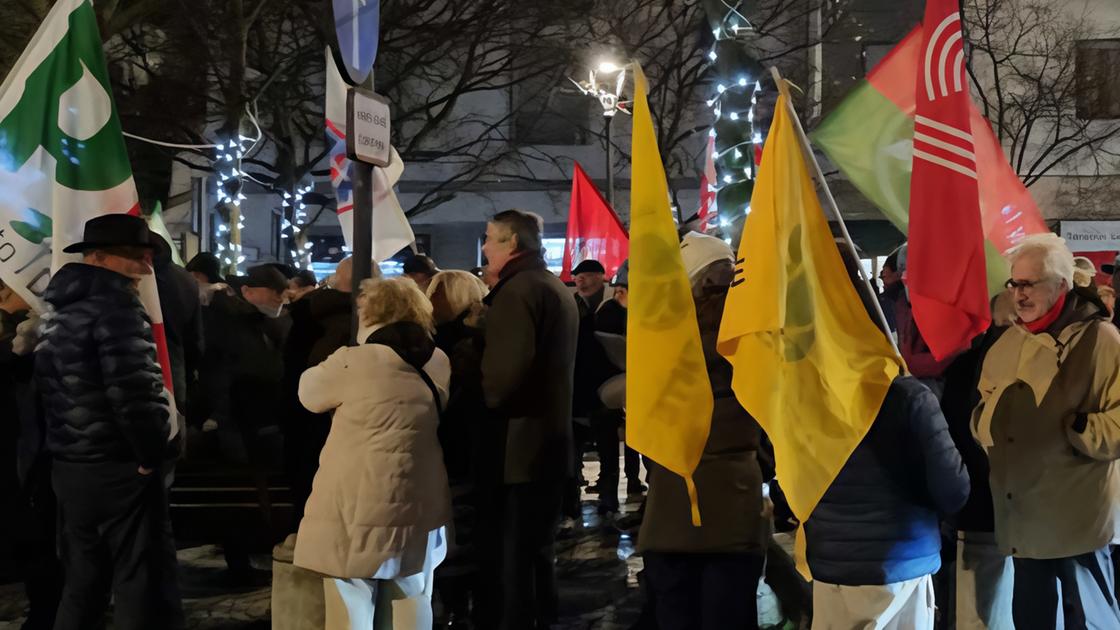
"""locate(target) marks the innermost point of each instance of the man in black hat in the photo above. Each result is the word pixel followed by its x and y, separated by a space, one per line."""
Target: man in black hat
pixel 108 424
pixel 251 330
pixel 590 279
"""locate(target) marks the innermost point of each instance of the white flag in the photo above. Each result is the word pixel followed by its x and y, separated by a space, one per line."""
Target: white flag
pixel 391 231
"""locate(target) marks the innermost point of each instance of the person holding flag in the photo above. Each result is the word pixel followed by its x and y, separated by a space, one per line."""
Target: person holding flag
pixel 702 534
pixel 108 425
pixel 823 381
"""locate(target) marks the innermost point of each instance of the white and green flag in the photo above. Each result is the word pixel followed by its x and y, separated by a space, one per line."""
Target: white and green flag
pixel 63 159
pixel 62 155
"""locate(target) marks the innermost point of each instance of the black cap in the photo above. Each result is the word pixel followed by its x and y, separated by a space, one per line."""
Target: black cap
pixel 589 266
pixel 287 271
pixel 266 277
pixel 208 265
pixel 115 230
pixel 420 264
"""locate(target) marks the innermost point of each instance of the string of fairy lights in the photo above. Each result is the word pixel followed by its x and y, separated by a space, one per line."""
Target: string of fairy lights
pixel 733 106
pixel 293 214
pixel 232 178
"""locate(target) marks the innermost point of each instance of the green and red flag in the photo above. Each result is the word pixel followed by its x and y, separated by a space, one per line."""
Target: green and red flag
pixel 870 138
pixel 949 293
pixel 62 156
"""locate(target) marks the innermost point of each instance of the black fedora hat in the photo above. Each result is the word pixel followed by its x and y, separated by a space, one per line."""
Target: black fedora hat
pixel 115 230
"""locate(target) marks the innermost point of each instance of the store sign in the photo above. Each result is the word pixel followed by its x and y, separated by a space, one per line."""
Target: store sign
pixel 367 137
pixel 1092 236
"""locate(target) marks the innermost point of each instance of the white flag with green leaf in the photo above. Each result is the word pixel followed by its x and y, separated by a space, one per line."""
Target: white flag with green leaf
pixel 63 159
pixel 62 155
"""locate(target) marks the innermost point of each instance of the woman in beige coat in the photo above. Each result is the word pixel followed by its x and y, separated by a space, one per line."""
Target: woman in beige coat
pixel 375 522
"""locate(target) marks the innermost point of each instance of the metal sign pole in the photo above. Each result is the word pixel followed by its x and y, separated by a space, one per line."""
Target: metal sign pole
pixel 363 238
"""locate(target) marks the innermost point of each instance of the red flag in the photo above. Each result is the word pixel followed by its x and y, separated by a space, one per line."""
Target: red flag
pixel 594 231
pixel 708 185
pixel 1008 212
pixel 945 270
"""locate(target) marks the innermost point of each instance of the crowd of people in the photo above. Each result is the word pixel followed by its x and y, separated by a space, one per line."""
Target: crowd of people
pixel 439 456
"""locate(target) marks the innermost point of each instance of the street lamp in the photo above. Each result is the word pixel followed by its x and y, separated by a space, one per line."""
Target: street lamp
pixel 604 83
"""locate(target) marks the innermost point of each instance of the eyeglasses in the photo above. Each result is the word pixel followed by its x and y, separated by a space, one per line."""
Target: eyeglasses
pixel 1022 285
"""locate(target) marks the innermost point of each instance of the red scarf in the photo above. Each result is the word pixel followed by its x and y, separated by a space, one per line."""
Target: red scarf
pixel 1042 323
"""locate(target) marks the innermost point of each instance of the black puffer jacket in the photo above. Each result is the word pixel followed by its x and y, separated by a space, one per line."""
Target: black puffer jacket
pixel 97 373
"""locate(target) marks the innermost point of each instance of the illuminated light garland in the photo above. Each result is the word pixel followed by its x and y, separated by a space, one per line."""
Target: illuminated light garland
pixel 733 128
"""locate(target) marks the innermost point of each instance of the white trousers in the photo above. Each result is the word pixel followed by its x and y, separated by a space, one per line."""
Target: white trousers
pixel 905 605
pixel 985 584
pixel 398 603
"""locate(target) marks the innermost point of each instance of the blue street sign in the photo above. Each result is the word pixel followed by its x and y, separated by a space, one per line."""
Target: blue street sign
pixel 357 25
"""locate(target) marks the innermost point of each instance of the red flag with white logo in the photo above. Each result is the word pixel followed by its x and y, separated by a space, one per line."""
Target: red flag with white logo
pixel 594 230
pixel 945 269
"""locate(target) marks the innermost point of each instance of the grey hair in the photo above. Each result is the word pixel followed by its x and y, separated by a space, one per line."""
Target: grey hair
pixel 1051 249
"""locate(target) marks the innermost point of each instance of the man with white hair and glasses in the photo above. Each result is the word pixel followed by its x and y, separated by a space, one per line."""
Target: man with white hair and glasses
pixel 1049 419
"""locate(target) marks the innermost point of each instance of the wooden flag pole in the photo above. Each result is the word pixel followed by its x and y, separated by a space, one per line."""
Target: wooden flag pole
pixel 818 175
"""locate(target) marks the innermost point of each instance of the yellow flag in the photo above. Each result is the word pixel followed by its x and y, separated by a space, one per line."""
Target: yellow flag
pixel 809 364
pixel 668 395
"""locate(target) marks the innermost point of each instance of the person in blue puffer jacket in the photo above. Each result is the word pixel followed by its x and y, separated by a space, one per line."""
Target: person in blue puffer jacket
pixel 873 541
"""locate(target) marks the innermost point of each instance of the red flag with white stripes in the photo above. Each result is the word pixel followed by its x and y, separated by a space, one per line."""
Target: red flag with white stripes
pixel 945 270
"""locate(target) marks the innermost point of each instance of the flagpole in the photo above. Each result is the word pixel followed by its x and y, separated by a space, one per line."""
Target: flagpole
pixel 807 149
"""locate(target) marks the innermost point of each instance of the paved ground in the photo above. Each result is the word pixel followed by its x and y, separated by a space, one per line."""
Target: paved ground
pixel 597 573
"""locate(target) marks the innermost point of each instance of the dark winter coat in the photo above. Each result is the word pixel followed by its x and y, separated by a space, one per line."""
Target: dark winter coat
pixel 611 318
pixel 527 368
pixel 592 367
pixel 182 324
pixel 466 410
pixel 879 521
pixel 320 325
pixel 960 398
pixel 18 393
pixel 728 479
pixel 97 372
pixel 252 343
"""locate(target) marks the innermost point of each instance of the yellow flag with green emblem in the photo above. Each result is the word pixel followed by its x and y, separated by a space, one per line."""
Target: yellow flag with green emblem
pixel 809 364
pixel 668 395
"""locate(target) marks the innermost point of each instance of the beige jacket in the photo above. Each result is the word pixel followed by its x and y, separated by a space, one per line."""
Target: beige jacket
pixel 1049 418
pixel 381 486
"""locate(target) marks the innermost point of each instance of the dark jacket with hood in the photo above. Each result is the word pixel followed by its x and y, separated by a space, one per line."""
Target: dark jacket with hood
pixel 527 370
pixel 97 372
pixel 879 521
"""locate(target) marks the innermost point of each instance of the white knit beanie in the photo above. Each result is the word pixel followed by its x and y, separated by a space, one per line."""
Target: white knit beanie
pixel 699 250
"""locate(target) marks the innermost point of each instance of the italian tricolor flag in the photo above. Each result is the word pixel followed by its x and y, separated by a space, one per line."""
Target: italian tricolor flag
pixel 62 157
pixel 870 138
